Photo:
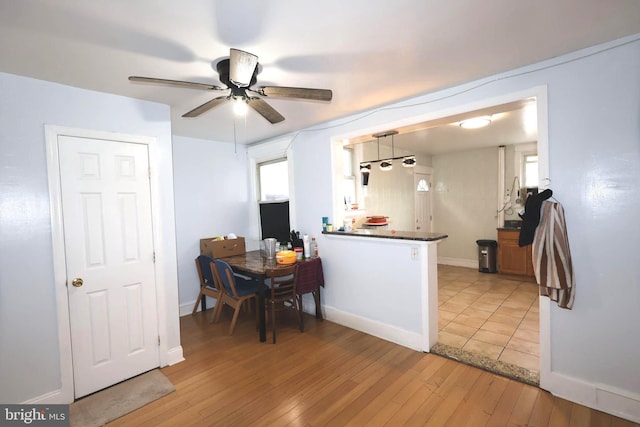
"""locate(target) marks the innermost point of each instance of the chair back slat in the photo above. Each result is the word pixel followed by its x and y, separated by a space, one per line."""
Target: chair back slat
pixel 282 282
pixel 203 262
pixel 225 273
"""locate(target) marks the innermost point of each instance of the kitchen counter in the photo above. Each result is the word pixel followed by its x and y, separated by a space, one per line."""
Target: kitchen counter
pixel 360 266
pixel 390 234
pixel 511 225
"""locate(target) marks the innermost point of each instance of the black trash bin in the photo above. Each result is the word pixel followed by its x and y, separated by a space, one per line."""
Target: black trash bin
pixel 487 256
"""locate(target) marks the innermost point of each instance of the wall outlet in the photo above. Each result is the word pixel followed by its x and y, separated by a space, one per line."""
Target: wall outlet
pixel 415 254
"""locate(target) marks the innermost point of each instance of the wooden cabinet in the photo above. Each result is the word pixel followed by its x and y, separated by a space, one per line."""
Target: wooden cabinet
pixel 513 259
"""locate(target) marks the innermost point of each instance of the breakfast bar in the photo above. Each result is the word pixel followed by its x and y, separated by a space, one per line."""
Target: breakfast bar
pixel 384 282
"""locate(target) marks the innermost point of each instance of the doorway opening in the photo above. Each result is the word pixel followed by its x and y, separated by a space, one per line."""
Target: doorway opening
pixel 465 183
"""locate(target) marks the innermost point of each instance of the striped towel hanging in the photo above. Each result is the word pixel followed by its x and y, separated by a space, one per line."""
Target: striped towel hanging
pixel 551 256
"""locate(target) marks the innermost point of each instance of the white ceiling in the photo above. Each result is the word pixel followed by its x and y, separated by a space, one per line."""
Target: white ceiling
pixel 370 53
pixel 512 123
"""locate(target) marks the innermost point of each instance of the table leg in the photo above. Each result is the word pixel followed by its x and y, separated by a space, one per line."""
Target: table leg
pixel 261 315
pixel 316 297
pixel 203 303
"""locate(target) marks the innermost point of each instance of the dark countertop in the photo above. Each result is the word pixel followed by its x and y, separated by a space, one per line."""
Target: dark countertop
pixel 510 224
pixel 390 234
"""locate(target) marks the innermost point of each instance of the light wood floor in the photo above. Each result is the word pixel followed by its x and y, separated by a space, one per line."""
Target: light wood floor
pixel 332 375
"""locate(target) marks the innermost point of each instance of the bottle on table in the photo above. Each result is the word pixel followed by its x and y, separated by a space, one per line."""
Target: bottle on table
pixel 314 248
pixel 307 246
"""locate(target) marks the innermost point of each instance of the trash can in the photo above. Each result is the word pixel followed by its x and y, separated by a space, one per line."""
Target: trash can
pixel 487 255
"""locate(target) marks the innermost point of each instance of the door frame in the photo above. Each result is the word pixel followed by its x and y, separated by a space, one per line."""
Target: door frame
pixel 66 394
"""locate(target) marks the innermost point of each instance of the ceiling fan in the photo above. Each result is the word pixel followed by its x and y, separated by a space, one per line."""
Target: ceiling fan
pixel 239 73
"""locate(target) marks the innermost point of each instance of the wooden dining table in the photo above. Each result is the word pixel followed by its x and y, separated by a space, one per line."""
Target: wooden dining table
pixel 254 265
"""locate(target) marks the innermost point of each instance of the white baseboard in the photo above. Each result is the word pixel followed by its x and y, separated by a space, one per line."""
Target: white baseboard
pixel 386 332
pixel 602 397
pixel 458 262
pixel 174 355
pixel 187 308
pixel 55 397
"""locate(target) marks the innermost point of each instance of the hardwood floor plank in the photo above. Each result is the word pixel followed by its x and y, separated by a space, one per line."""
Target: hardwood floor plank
pixel 506 404
pixel 580 416
pixel 333 375
pixel 480 402
pixel 560 413
pixel 541 411
pixel 524 406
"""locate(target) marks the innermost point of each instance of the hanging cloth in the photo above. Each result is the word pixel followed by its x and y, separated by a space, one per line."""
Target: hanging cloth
pixel 531 216
pixel 551 256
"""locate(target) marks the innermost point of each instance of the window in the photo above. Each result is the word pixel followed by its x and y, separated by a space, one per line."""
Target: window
pixel 273 178
pixel 349 178
pixel 530 170
pixel 423 186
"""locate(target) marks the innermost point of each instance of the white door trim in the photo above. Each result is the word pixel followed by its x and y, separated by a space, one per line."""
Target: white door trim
pixel 66 392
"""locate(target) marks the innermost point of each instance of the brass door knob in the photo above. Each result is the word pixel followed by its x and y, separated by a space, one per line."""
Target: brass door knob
pixel 77 282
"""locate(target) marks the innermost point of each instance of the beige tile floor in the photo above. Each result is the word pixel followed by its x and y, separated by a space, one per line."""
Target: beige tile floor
pixel 490 314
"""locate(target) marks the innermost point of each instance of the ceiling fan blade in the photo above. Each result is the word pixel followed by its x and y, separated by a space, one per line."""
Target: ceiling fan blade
pixel 265 110
pixel 297 92
pixel 206 106
pixel 242 67
pixel 175 83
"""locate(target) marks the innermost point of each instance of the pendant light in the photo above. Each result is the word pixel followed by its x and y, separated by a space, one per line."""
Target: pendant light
pixel 387 165
pixel 408 161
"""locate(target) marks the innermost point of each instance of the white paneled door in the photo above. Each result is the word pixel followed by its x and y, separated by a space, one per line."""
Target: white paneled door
pixel 109 252
pixel 422 183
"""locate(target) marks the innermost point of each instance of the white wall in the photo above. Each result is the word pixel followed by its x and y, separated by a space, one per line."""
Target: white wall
pixel 594 160
pixel 29 360
pixel 465 196
pixel 211 199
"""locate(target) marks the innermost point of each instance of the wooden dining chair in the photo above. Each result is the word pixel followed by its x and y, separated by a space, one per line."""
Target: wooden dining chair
pixel 237 290
pixel 208 286
pixel 281 294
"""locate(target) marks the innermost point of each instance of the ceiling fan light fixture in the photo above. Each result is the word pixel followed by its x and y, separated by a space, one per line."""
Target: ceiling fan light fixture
pixel 365 167
pixel 242 66
pixel 409 161
pixel 238 74
pixel 240 107
pixel 476 122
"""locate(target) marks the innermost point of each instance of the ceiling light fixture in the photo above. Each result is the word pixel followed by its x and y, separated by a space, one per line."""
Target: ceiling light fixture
pixel 365 167
pixel 240 106
pixel 387 164
pixel 409 161
pixel 476 122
